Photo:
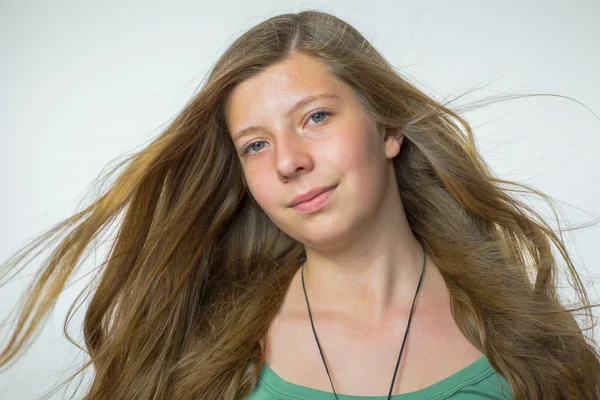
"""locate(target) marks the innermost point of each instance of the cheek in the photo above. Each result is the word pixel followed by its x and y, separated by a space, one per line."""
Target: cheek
pixel 360 161
pixel 356 152
pixel 268 200
pixel 259 188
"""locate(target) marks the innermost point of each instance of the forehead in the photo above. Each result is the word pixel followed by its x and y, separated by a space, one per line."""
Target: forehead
pixel 279 86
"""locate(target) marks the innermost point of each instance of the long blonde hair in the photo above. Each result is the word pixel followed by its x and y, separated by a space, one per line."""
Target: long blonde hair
pixel 197 270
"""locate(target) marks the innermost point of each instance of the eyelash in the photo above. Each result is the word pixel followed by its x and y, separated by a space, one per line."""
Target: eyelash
pixel 246 147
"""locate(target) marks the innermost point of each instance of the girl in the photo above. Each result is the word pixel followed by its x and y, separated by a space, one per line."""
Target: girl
pixel 312 226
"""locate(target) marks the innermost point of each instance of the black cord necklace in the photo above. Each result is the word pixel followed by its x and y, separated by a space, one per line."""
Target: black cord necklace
pixel 403 341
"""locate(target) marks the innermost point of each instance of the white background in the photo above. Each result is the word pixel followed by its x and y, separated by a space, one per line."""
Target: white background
pixel 82 83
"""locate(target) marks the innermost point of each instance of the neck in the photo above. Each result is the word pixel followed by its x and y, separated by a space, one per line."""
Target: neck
pixel 372 288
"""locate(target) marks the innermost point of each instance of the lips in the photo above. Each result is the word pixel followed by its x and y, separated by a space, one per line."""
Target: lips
pixel 310 195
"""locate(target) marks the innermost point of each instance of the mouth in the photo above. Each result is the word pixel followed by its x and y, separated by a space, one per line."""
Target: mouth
pixel 314 200
pixel 311 194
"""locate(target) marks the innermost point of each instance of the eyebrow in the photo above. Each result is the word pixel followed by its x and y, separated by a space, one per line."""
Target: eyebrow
pixel 295 107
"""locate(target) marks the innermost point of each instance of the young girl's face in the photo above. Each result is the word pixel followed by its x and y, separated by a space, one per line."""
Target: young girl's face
pixel 310 132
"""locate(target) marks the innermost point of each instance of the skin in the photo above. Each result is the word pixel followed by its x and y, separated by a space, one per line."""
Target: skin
pixel 363 262
pixel 362 259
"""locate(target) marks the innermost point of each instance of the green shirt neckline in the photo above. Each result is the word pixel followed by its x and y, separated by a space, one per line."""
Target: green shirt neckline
pixel 472 373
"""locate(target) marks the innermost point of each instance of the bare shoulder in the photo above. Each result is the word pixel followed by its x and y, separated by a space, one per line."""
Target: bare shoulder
pixel 362 365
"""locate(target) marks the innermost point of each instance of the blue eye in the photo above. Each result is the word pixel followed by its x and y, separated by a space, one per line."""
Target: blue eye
pixel 319 112
pixel 246 148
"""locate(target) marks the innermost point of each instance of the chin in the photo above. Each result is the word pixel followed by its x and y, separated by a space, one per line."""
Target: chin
pixel 324 238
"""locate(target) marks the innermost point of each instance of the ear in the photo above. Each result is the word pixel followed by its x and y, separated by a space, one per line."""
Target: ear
pixel 393 141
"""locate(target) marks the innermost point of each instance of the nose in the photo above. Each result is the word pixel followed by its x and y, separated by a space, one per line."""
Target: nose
pixel 292 156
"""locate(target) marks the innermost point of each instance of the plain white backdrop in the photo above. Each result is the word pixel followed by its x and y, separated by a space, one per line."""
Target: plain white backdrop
pixel 82 83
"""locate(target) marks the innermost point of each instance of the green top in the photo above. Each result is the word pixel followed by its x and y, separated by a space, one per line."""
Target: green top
pixel 476 381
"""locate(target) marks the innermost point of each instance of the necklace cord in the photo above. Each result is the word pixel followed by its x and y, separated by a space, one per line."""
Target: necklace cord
pixel 403 340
